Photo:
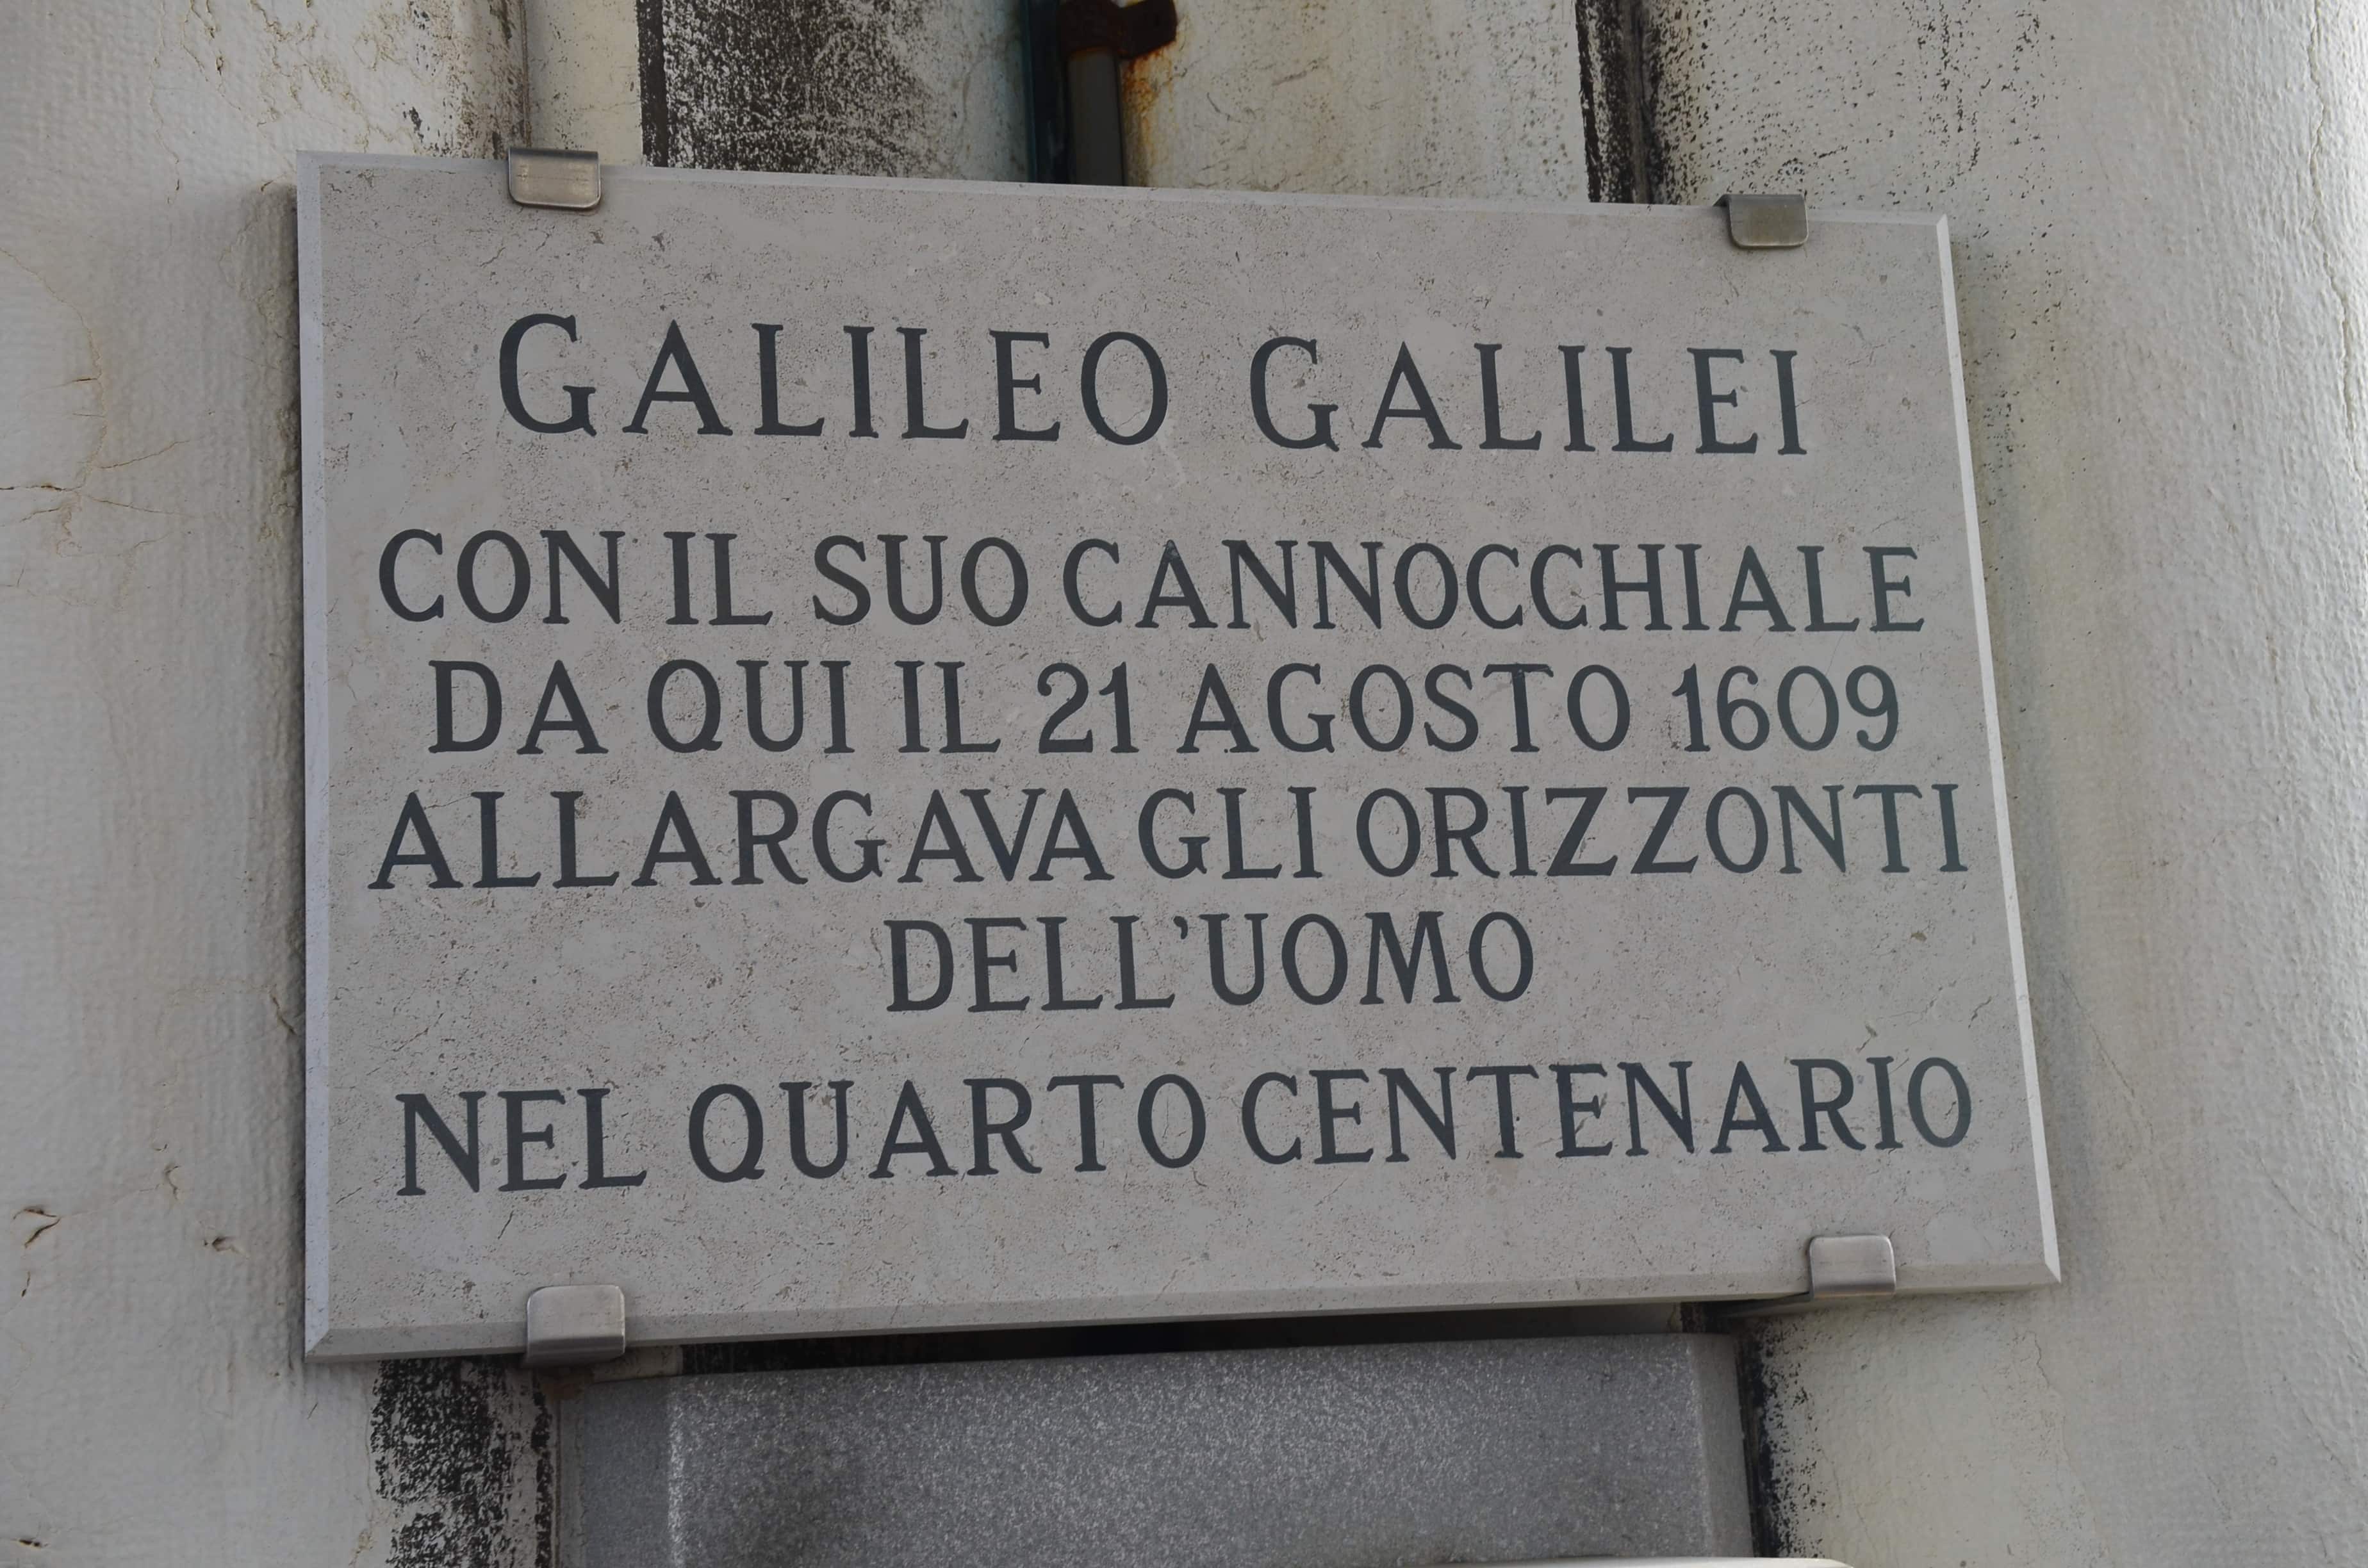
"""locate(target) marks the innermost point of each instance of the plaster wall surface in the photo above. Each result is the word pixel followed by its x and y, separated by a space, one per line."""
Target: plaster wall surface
pixel 927 90
pixel 2157 216
pixel 2159 224
pixel 153 1408
pixel 157 1410
pixel 1440 98
pixel 584 74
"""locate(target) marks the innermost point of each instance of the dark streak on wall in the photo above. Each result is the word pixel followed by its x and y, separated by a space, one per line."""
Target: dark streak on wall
pixel 462 1450
pixel 657 118
pixel 1611 62
pixel 809 86
pixel 1768 1397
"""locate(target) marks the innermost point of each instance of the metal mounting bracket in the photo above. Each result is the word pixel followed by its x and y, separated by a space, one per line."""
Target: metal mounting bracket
pixel 1841 1269
pixel 555 177
pixel 1767 223
pixel 571 1326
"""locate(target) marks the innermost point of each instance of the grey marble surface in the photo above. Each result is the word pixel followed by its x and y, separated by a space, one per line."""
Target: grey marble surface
pixel 1335 1457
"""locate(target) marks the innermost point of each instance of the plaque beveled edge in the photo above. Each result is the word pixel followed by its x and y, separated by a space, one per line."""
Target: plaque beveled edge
pixel 326 1341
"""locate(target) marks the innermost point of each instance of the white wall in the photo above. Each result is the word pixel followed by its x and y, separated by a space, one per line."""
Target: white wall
pixel 2159 225
pixel 583 78
pixel 153 1405
pixel 2160 239
pixel 925 91
pixel 1412 97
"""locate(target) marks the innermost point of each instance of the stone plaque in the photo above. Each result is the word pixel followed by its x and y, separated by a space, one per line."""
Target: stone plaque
pixel 886 754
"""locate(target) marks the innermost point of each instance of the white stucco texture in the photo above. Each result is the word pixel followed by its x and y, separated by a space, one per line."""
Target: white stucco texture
pixel 2158 220
pixel 156 1409
pixel 924 90
pixel 2160 224
pixel 1437 97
